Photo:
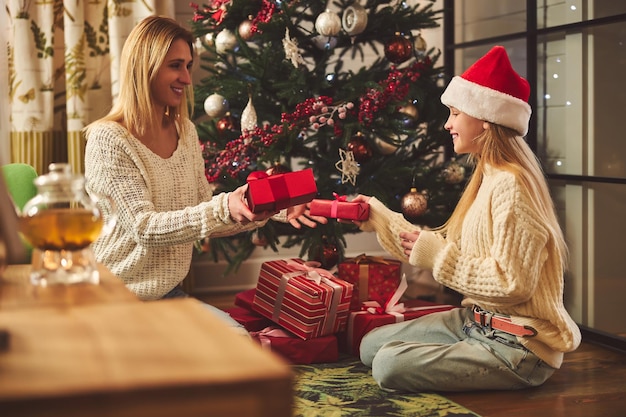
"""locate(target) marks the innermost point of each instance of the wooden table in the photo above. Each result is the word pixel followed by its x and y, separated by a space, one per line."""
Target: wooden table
pixel 108 354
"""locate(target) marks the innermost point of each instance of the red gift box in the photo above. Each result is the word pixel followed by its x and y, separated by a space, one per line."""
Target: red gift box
pixel 362 322
pixel 250 320
pixel 295 350
pixel 279 191
pixel 339 208
pixel 245 298
pixel 374 278
pixel 306 300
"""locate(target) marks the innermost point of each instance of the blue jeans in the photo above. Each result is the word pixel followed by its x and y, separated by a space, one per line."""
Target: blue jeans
pixel 447 351
pixel 178 292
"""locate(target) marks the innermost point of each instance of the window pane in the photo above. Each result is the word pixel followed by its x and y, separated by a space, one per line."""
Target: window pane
pixel 516 49
pixel 577 108
pixel 560 12
pixel 480 19
pixel 595 283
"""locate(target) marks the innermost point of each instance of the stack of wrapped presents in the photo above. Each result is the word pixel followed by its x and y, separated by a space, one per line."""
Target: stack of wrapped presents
pixel 308 314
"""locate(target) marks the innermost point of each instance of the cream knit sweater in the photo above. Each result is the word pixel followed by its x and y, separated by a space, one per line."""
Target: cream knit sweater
pixel 504 262
pixel 163 207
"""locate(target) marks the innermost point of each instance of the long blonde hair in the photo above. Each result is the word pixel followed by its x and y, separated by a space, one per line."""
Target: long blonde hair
pixel 504 149
pixel 142 56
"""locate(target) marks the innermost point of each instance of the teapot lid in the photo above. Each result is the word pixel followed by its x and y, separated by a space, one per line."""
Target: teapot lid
pixel 60 173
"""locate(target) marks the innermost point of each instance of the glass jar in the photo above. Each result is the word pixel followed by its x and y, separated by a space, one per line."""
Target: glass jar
pixel 61 222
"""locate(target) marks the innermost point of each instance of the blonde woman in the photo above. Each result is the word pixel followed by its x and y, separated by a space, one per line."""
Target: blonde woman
pixel 502 249
pixel 145 155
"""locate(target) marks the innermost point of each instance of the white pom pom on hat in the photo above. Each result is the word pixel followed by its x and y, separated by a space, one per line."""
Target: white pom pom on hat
pixel 491 90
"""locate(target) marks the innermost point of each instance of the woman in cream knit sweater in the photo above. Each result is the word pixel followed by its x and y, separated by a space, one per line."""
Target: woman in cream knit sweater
pixel 502 249
pixel 145 155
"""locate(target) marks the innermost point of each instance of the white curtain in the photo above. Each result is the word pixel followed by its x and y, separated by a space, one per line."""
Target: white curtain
pixel 61 70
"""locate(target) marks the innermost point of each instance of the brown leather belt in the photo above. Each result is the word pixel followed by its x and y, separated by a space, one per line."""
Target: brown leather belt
pixel 495 321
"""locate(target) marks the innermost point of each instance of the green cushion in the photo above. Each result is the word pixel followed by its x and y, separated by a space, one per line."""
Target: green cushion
pixel 19 179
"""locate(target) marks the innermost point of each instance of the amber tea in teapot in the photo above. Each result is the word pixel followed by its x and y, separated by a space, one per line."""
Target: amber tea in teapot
pixel 61 222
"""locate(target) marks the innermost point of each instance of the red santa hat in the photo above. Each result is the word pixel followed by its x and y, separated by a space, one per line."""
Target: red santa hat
pixel 491 90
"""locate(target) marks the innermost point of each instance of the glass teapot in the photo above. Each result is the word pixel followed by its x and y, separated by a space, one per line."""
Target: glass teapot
pixel 61 222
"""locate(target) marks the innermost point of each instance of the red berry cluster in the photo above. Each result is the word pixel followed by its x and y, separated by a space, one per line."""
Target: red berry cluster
pixel 394 88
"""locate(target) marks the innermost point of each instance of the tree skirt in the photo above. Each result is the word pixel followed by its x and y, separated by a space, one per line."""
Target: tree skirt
pixel 346 388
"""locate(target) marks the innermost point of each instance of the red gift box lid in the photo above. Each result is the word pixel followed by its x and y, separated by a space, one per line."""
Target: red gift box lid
pixel 279 191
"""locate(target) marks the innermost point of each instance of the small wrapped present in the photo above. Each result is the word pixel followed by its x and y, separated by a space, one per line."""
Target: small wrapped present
pixel 279 191
pixel 340 208
pixel 245 298
pixel 374 315
pixel 295 350
pixel 374 278
pixel 302 298
pixel 250 320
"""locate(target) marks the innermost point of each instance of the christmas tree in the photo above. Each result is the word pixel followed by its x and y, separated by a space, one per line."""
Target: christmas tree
pixel 291 85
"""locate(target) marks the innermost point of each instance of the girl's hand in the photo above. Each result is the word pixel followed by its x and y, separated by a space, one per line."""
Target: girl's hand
pixel 408 241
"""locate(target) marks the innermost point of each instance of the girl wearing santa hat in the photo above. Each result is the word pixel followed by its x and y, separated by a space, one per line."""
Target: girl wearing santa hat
pixel 502 249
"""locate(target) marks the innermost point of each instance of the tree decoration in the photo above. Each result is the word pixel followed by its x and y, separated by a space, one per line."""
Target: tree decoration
pixel 419 44
pixel 247 29
pixel 348 167
pixel 292 53
pixel 354 20
pixel 413 204
pixel 325 43
pixel 360 148
pixel 248 117
pixel 225 124
pixel 216 105
pixel 225 41
pixel 398 49
pixel 454 173
pixel 328 24
pixel 385 148
pixel 258 240
pixel 277 168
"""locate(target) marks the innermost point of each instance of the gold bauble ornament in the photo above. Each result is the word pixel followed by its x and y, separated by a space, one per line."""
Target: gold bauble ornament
pixel 385 148
pixel 245 29
pixel 354 19
pixel 328 24
pixel 216 105
pixel 225 41
pixel 454 173
pixel 413 204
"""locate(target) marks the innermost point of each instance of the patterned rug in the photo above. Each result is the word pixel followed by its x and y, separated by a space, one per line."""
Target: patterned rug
pixel 346 388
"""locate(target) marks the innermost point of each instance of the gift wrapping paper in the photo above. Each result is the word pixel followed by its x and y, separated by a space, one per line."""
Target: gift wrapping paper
pixel 295 350
pixel 250 320
pixel 374 278
pixel 364 321
pixel 302 298
pixel 279 191
pixel 339 208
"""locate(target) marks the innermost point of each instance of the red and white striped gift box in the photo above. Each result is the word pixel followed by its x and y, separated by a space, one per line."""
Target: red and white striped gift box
pixel 302 298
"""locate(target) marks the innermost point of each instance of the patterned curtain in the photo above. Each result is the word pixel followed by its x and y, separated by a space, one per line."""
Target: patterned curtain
pixel 62 71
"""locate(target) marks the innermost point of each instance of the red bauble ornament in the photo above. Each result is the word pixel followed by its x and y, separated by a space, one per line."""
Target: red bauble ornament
pixel 360 148
pixel 398 49
pixel 277 168
pixel 413 204
pixel 327 255
pixel 225 124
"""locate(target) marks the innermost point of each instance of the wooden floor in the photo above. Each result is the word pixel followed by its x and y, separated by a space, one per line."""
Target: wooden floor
pixel 591 383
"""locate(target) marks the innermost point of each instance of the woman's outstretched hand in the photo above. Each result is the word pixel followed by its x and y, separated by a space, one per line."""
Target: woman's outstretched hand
pixel 239 210
pixel 301 215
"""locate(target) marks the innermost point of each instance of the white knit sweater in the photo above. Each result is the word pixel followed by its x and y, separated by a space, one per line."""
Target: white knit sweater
pixel 504 262
pixel 163 207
